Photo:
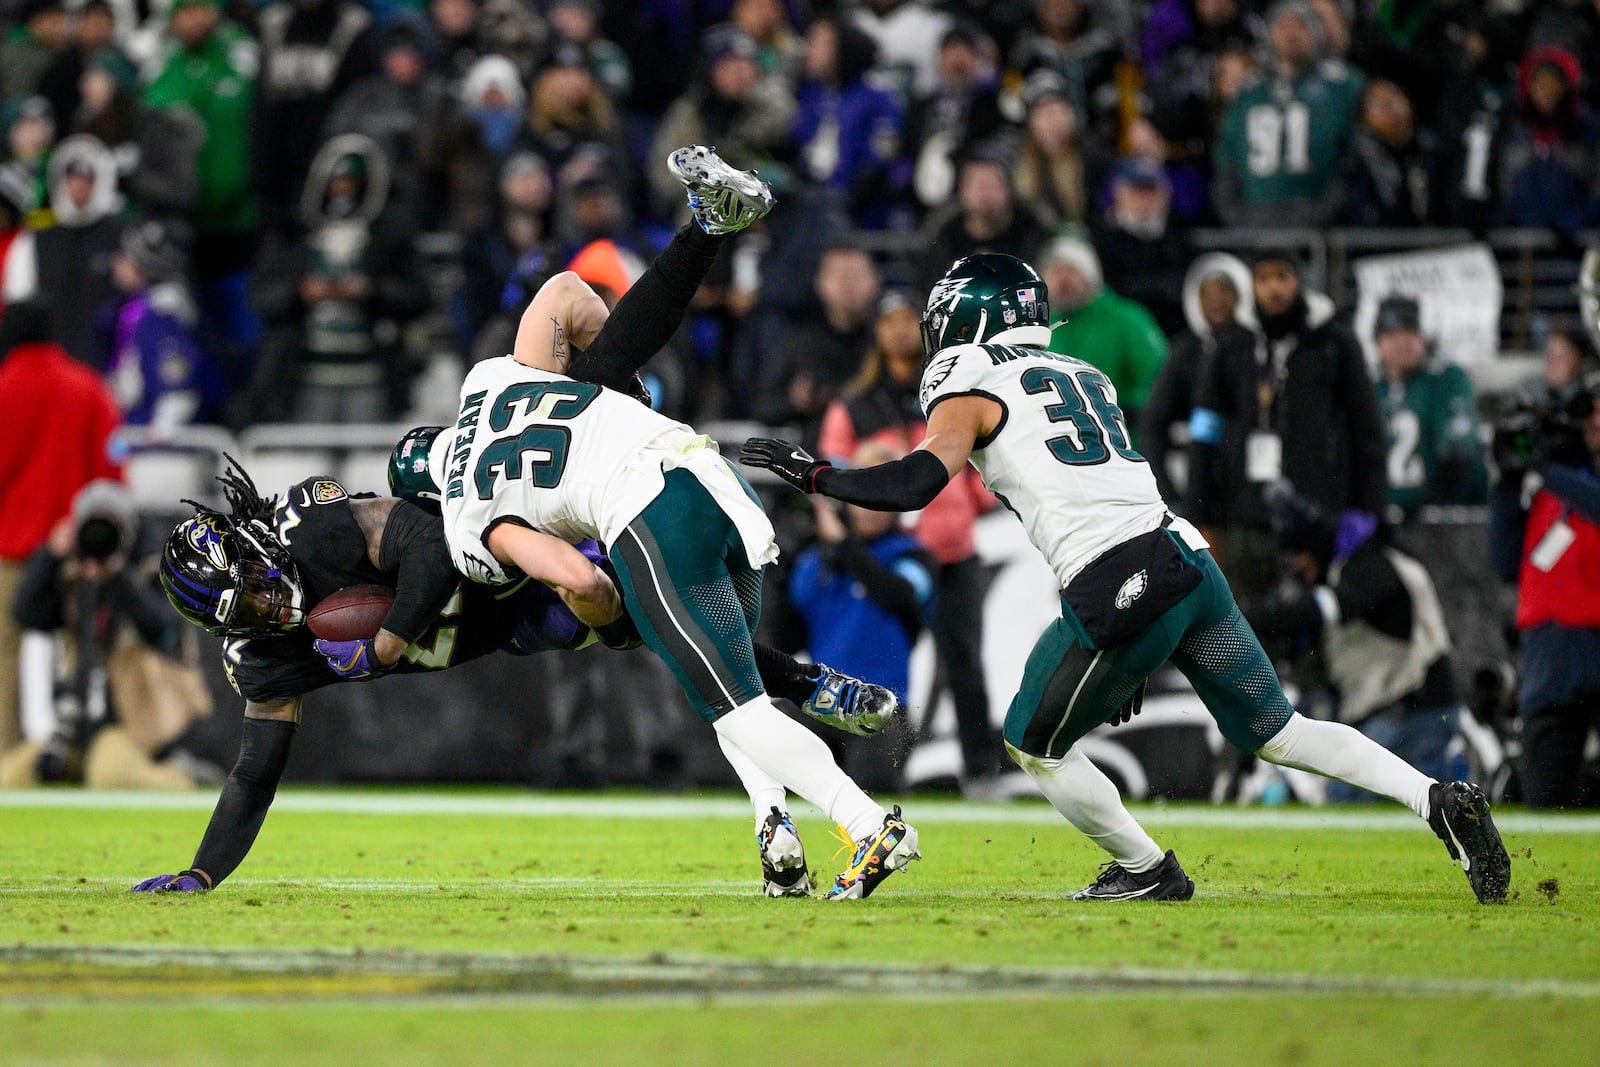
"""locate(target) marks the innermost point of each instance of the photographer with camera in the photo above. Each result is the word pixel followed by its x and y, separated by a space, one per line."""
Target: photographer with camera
pixel 123 693
pixel 1545 537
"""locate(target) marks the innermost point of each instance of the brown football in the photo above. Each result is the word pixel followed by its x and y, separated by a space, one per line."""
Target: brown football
pixel 354 613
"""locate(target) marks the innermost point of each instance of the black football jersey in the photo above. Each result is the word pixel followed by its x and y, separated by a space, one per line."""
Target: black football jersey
pixel 315 522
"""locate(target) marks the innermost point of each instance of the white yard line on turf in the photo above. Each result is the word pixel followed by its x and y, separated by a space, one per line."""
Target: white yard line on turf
pixel 426 802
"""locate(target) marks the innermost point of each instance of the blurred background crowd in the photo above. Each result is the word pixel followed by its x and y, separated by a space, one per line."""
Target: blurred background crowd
pixel 218 218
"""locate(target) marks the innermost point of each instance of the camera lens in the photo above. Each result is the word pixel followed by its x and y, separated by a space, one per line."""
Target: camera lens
pixel 98 538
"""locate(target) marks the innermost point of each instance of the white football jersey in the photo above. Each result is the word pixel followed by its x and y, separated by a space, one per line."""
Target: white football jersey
pixel 1061 458
pixel 570 458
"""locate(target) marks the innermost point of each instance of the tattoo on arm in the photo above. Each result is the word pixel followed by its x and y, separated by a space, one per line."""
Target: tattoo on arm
pixel 372 516
pixel 559 349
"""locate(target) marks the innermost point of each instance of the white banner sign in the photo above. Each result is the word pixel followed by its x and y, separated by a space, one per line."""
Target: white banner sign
pixel 1459 292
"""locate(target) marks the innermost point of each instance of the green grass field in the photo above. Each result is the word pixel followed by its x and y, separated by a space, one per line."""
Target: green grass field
pixel 420 926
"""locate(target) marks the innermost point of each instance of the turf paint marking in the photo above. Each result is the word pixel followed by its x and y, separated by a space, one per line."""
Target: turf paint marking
pixel 940 811
pixel 478 974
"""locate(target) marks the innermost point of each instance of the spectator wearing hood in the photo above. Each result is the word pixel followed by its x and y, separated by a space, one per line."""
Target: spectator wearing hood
pixel 337 296
pixel 157 370
pixel 311 52
pixel 407 110
pixel 1092 322
pixel 1550 164
pixel 1143 250
pixel 1280 157
pixel 70 261
pixel 1216 306
pixel 1391 184
pixel 1300 407
pixel 745 113
pixel 1373 617
pixel 54 440
pixel 946 125
pixel 847 128
pixel 124 689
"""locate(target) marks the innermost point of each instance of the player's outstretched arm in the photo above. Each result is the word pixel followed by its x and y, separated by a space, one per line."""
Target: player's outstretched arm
pixel 246 795
pixel 905 484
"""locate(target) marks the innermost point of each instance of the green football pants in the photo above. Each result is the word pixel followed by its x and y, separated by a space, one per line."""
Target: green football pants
pixel 688 584
pixel 1069 687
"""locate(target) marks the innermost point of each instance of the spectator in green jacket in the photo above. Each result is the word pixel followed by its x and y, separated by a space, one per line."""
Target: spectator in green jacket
pixel 1285 141
pixel 1096 325
pixel 1435 455
pixel 206 73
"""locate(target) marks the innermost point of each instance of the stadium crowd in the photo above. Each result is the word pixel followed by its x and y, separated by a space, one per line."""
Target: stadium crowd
pixel 239 214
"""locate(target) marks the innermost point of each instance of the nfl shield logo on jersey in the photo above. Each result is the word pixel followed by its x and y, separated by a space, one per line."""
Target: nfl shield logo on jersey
pixel 1131 590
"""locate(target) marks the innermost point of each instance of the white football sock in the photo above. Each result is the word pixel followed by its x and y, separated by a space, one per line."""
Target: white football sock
pixel 789 753
pixel 766 792
pixel 1089 800
pixel 1335 750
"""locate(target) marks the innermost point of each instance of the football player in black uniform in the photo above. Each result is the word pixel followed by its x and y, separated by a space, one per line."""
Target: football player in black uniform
pixel 251 574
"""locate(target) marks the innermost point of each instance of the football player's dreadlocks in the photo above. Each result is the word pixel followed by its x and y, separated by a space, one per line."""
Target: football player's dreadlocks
pixel 243 498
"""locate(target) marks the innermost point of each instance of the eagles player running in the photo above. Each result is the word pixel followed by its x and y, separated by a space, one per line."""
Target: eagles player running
pixel 536 453
pixel 1138 586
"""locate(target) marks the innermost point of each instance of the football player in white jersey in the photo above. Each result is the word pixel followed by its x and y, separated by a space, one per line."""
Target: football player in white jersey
pixel 538 459
pixel 1138 585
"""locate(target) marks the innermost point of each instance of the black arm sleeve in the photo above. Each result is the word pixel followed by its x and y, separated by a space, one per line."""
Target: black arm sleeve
pixel 649 313
pixel 246 796
pixel 413 546
pixel 39 605
pixel 889 590
pixel 906 484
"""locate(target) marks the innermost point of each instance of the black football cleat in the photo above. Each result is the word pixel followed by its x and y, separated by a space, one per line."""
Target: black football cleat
pixel 1166 881
pixel 1458 812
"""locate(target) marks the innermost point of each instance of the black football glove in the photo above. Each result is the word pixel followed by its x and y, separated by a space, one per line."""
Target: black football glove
pixel 1133 707
pixel 790 462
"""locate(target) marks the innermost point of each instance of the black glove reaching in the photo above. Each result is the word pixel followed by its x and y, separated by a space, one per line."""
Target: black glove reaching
pixel 790 462
pixel 1134 706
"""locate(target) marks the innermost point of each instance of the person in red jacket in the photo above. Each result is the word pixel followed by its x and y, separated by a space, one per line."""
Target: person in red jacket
pixel 1545 537
pixel 881 405
pixel 54 440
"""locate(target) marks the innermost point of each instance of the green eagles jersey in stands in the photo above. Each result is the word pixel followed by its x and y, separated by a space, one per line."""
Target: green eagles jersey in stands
pixel 1435 455
pixel 1287 142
